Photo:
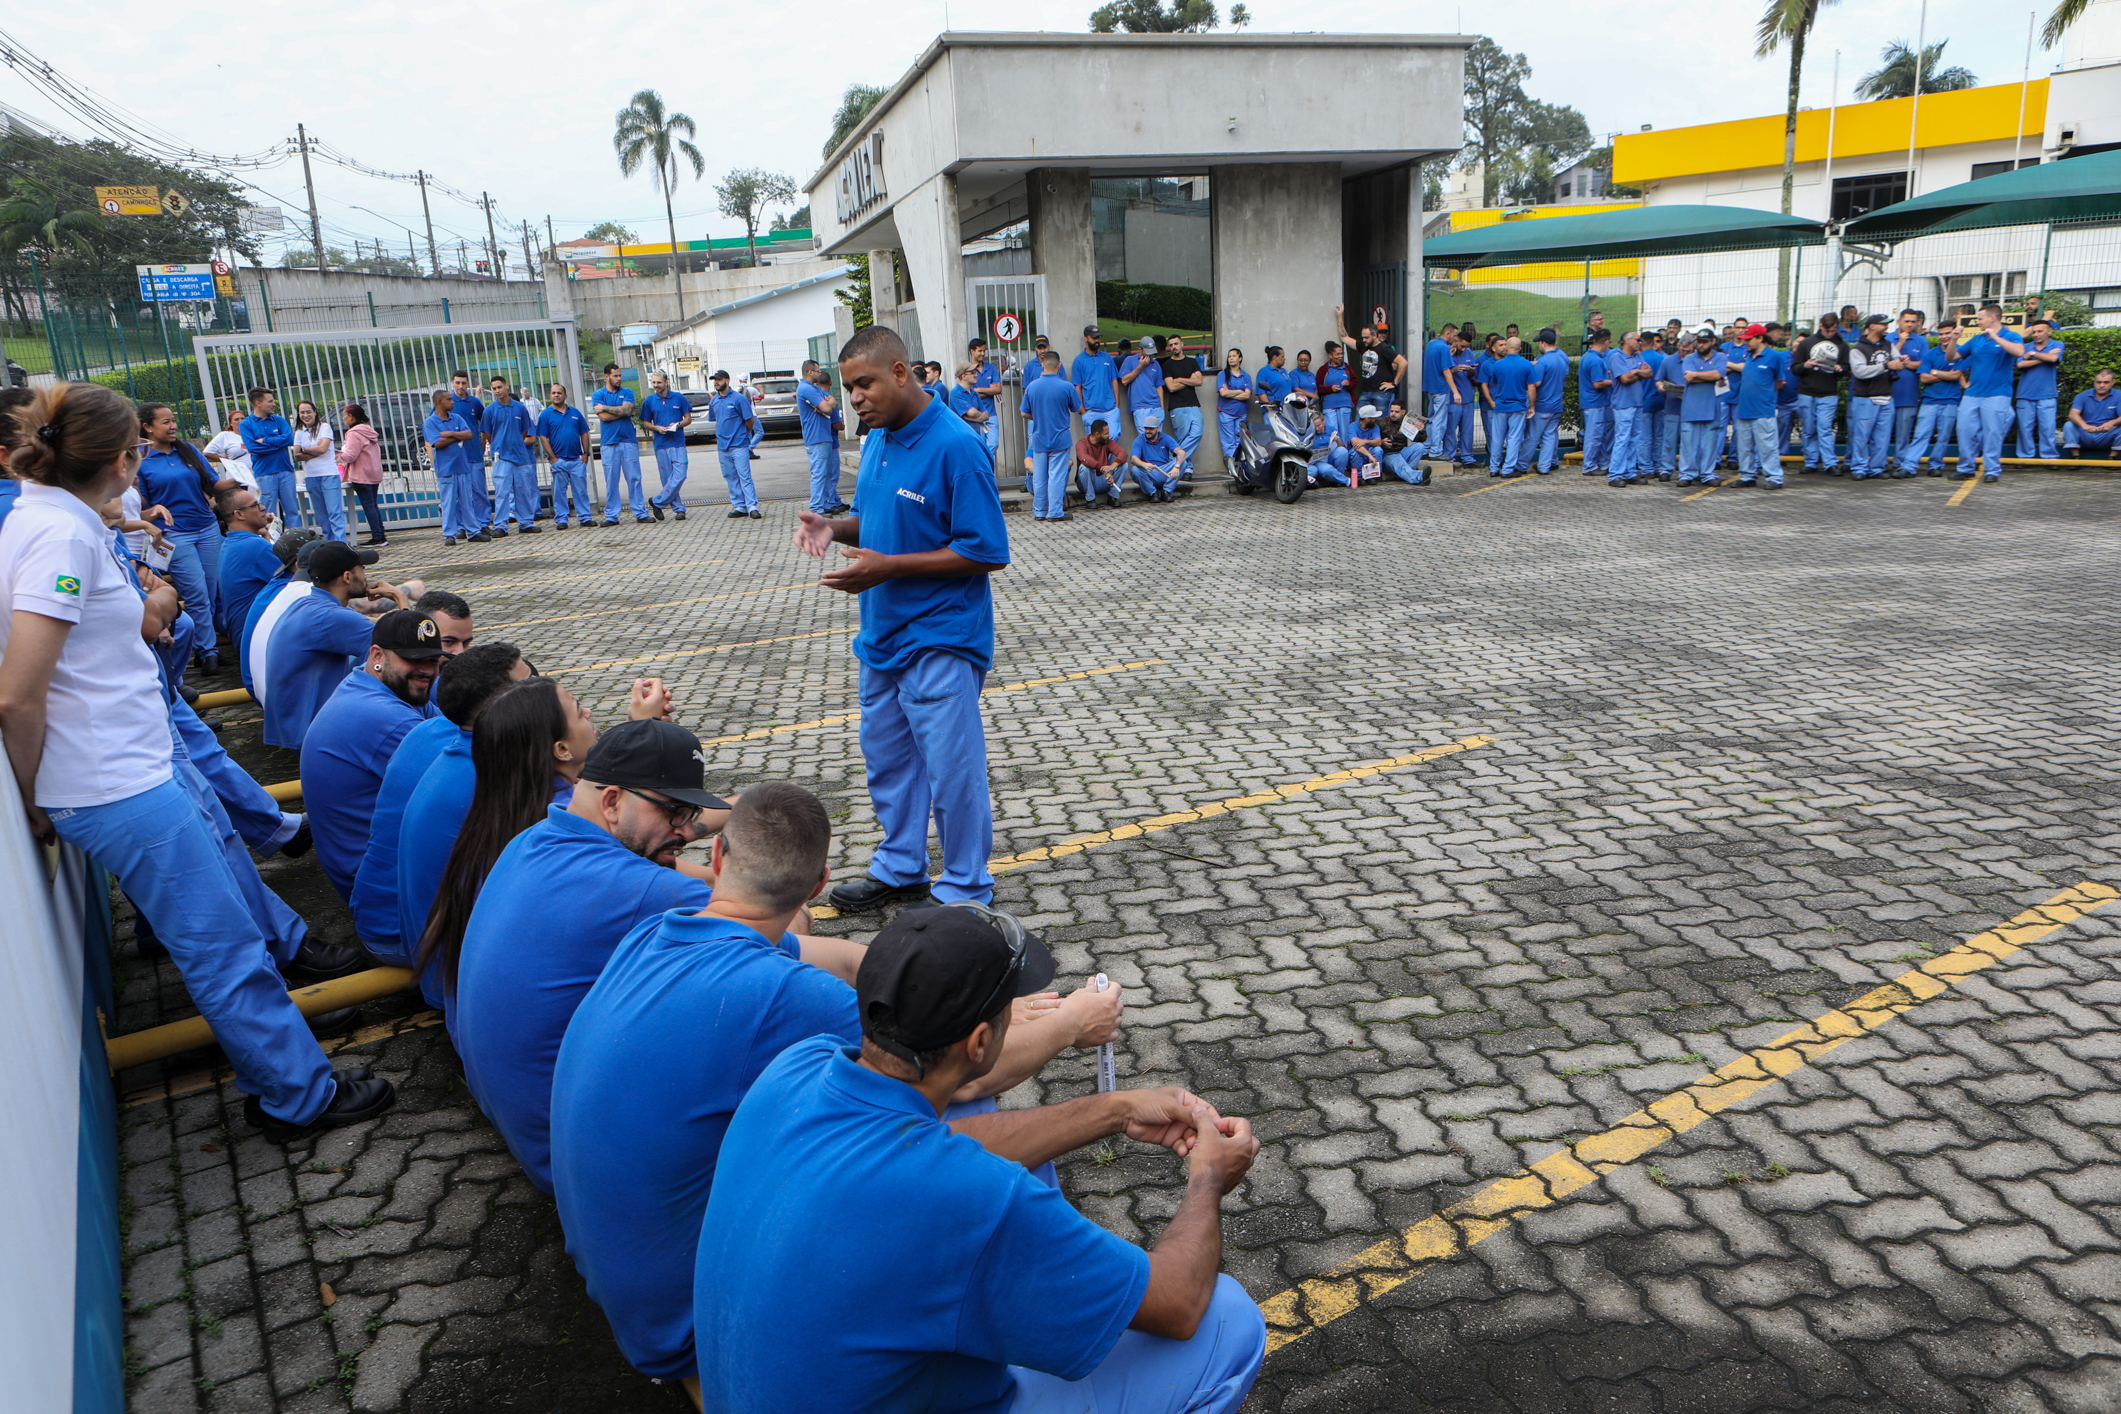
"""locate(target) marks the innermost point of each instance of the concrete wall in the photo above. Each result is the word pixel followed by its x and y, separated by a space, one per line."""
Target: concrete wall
pixel 301 300
pixel 927 225
pixel 1164 248
pixel 1060 251
pixel 603 305
pixel 1277 255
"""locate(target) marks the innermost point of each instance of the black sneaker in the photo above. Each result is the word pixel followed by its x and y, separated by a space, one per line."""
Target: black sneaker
pixel 299 845
pixel 500 532
pixel 320 962
pixel 481 538
pixel 681 515
pixel 756 514
pixel 355 1102
pixel 735 515
pixel 449 540
pixel 866 893
pixel 655 510
pixel 528 530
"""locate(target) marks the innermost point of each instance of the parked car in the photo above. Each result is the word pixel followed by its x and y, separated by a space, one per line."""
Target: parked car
pixel 701 428
pixel 773 400
pixel 398 418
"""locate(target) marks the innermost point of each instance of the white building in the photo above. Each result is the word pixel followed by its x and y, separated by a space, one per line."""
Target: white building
pixel 769 331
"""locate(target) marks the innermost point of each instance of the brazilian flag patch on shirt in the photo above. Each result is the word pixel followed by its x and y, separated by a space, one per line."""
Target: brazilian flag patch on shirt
pixel 67 584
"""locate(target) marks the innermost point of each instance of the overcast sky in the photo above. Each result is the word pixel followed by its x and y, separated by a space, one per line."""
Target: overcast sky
pixel 500 98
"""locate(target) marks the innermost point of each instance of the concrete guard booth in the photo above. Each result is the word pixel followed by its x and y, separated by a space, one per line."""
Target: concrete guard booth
pixel 1310 145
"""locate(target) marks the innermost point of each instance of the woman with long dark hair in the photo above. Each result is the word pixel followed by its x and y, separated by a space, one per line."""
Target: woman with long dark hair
pixel 174 477
pixel 320 472
pixel 361 464
pixel 528 739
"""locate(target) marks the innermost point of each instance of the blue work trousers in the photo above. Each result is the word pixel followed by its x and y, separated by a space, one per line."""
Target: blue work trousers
pixel 1406 466
pixel 1869 425
pixel 276 490
pixel 1461 434
pixel 2099 445
pixel 2036 428
pixel 1146 1374
pixel 1932 420
pixel 1049 484
pixel 624 458
pixel 1668 442
pixel 925 747
pixel 195 568
pixel 736 471
pixel 671 464
pixel 1152 481
pixel 1506 451
pixel 1597 439
pixel 521 479
pixel 824 475
pixel 570 491
pixel 1439 443
pixel 1649 435
pixel 1340 422
pixel 1982 423
pixel 1094 484
pixel 1621 464
pixel 283 928
pixel 1229 426
pixel 464 504
pixel 1818 417
pixel 1542 441
pixel 1699 443
pixel 1903 430
pixel 1757 458
pixel 327 502
pixel 1182 425
pixel 256 817
pixel 1330 464
pixel 164 853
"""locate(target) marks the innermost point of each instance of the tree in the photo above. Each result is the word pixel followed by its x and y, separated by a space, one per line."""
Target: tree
pixel 798 220
pixel 651 134
pixel 855 105
pixel 1787 22
pixel 2067 13
pixel 1549 138
pixel 1149 17
pixel 65 175
pixel 1432 186
pixel 611 231
pixel 745 195
pixel 1239 17
pixel 1494 97
pixel 856 294
pixel 1895 76
pixel 1602 159
pixel 32 219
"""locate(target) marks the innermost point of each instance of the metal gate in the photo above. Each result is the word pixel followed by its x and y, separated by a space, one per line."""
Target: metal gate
pixel 1008 311
pixel 392 374
pixel 1385 287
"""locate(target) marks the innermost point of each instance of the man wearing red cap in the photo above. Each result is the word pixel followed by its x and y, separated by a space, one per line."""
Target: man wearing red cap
pixel 1757 375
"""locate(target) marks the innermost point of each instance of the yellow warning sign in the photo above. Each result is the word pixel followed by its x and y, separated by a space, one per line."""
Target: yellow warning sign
pixel 175 203
pixel 130 201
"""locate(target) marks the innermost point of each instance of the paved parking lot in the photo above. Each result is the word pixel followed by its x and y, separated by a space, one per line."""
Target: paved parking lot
pixel 1659 941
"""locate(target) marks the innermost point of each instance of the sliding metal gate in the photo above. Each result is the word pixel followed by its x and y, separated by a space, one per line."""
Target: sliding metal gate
pixel 392 374
pixel 1008 311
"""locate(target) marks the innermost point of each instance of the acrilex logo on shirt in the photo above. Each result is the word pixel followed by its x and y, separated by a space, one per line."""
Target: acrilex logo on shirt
pixel 67 584
pixel 913 495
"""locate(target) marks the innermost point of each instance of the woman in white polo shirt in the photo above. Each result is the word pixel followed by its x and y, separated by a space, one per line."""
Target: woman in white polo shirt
pixel 89 741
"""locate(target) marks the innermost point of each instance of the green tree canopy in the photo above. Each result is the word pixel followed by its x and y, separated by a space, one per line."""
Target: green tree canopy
pixel 744 196
pixel 611 231
pixel 1494 100
pixel 796 220
pixel 39 173
pixel 1895 75
pixel 1150 17
pixel 855 105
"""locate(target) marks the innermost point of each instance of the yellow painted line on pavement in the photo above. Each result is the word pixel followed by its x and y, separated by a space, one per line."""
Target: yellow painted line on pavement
pixel 1293 1314
pixel 1497 486
pixel 698 652
pixel 1966 489
pixel 634 608
pixel 1078 844
pixel 1699 494
pixel 761 733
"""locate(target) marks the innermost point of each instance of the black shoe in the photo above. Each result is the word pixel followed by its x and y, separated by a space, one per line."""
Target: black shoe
pixel 866 893
pixel 299 844
pixel 655 510
pixel 560 525
pixel 355 1102
pixel 371 542
pixel 841 509
pixel 481 538
pixel 527 530
pixel 1771 486
pixel 320 962
pixel 735 515
pixel 499 532
pixel 1062 516
pixel 449 540
pixel 332 1023
pixel 189 693
pixel 681 515
pixel 756 514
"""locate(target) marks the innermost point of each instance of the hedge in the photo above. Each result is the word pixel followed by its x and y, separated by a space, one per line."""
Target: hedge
pixel 1170 306
pixel 2084 352
pixel 175 383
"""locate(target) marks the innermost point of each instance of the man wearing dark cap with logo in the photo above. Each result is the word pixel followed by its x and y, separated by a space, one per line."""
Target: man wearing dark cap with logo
pixel 1096 378
pixel 529 956
pixel 317 641
pixel 686 1014
pixel 921 1253
pixel 349 745
pixel 735 429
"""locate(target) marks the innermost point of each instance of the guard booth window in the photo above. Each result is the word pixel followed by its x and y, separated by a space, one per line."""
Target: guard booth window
pixel 1855 195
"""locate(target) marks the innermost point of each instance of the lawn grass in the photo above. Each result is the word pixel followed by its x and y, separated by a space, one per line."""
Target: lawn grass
pixel 1113 330
pixel 33 353
pixel 1491 307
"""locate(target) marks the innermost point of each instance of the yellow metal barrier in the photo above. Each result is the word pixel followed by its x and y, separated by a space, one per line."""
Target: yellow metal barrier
pixel 233 697
pixel 161 1042
pixel 285 791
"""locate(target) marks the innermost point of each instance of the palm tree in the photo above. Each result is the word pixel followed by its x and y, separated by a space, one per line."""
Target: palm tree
pixel 647 132
pixel 1788 22
pixel 1895 77
pixel 2067 13
pixel 33 219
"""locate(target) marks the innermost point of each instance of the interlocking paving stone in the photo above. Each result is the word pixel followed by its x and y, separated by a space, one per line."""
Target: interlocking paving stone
pixel 1752 756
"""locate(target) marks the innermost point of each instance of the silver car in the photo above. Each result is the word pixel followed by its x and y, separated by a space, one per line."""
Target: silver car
pixel 773 400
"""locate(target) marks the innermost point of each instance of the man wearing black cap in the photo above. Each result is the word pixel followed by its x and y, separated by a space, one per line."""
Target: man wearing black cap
pixel 530 954
pixel 317 641
pixel 349 745
pixel 685 1015
pixel 735 429
pixel 1096 378
pixel 921 1253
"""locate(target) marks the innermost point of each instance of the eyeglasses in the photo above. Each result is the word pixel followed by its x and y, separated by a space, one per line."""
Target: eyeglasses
pixel 681 815
pixel 1013 933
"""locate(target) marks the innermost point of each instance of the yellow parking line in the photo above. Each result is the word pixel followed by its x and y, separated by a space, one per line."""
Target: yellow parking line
pixel 633 608
pixel 697 652
pixel 761 733
pixel 1965 490
pixel 1498 485
pixel 1380 1268
pixel 1699 494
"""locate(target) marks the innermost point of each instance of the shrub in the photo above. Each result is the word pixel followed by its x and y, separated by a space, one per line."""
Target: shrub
pixel 2084 352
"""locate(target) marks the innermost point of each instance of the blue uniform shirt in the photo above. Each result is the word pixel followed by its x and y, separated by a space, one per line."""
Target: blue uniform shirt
pixel 457 456
pixel 1232 407
pixel 1698 404
pixel 1146 391
pixel 567 431
pixel 1272 384
pixel 1094 373
pixel 686 1015
pixel 1482 368
pixel 1158 453
pixel 312 649
pixel 1304 381
pixel 1944 390
pixel 817 424
pixel 1758 380
pixel 1907 383
pixel 267 592
pixel 668 407
pixel 1034 369
pixel 2033 383
pixel 731 411
pixel 1590 369
pixel 1048 403
pixel 1732 353
pixel 247 563
pixel 1672 369
pixel 1507 381
pixel 506 426
pixel 267 440
pixel 618 429
pixel 986 376
pixel 992 1267
pixel 1435 358
pixel 962 400
pixel 434 813
pixel 375 894
pixel 167 480
pixel 1550 373
pixel 344 755
pixel 1988 368
pixel 929 486
pixel 2095 408
pixel 1627 395
pixel 1334 384
pixel 531 953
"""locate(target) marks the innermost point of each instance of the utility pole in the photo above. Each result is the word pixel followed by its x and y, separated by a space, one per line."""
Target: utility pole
pixel 493 246
pixel 528 267
pixel 460 256
pixel 551 239
pixel 316 227
pixel 434 259
pixel 412 253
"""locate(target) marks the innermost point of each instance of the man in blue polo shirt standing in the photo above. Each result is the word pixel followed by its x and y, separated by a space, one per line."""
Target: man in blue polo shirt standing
pixel 1049 403
pixel 1908 347
pixel 1143 377
pixel 1594 401
pixel 1436 393
pixel 735 429
pixel 620 443
pixel 1550 372
pixel 1095 376
pixel 815 407
pixel 564 434
pixel 1632 377
pixel 1943 382
pixel 1508 379
pixel 1985 413
pixel 1700 414
pixel 986 379
pixel 2036 391
pixel 460 478
pixel 1759 375
pixel 508 428
pixel 925 534
pixel 267 438
pixel 1671 387
pixel 667 415
pixel 471 459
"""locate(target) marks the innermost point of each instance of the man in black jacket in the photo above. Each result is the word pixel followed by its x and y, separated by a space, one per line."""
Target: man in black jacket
pixel 1820 361
pixel 1870 400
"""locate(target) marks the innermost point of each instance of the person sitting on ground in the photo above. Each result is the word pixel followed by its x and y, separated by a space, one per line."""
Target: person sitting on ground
pixel 292 549
pixel 318 641
pixel 348 747
pixel 686 1014
pixel 527 960
pixel 465 684
pixel 1403 446
pixel 1015 1296
pixel 1155 459
pixel 1329 459
pixel 1099 465
pixel 1366 442
pixel 247 559
pixel 2094 417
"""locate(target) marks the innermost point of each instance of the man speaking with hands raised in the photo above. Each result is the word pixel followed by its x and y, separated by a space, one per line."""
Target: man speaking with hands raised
pixel 925 533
